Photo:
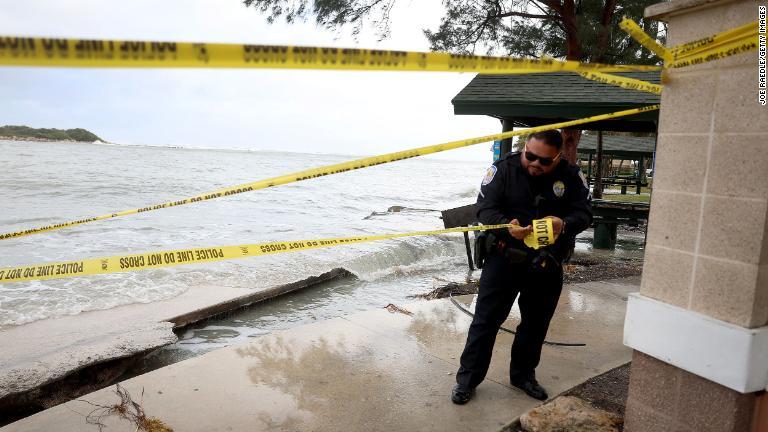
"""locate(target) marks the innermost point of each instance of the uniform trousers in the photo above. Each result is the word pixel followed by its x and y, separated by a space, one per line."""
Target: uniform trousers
pixel 500 283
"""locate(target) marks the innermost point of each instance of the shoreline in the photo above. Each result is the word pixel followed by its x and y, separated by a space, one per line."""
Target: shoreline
pixel 85 356
pixel 105 366
pixel 313 375
pixel 46 140
pixel 237 150
pixel 55 360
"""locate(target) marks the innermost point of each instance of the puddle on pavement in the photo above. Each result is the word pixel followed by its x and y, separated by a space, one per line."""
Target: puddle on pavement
pixel 332 299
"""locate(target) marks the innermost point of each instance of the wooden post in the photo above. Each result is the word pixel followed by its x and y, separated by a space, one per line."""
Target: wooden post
pixel 640 174
pixel 589 169
pixel 506 126
pixel 597 191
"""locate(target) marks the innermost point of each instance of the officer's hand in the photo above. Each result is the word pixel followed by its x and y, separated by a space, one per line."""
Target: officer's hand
pixel 557 225
pixel 519 232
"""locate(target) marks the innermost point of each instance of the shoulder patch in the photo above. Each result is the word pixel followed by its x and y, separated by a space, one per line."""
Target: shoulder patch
pixel 489 174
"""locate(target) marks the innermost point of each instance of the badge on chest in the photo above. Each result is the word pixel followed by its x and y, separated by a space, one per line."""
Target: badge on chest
pixel 558 188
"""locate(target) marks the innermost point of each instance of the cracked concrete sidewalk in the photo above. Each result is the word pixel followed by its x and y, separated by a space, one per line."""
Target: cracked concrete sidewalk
pixel 374 370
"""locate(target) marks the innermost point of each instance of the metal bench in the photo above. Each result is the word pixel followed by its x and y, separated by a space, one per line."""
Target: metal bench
pixel 461 217
pixel 609 214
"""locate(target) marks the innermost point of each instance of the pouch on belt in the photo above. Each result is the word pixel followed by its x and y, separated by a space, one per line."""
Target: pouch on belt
pixel 487 243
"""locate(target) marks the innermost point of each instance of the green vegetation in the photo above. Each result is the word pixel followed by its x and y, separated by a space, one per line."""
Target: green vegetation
pixel 48 134
pixel 582 30
pixel 630 189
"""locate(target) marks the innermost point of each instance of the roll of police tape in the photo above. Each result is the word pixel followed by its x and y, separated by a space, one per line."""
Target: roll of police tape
pixel 30 51
pixel 542 236
pixel 328 170
pixel 623 82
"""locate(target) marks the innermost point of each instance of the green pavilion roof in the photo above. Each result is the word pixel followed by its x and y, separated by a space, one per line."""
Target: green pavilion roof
pixel 628 147
pixel 541 98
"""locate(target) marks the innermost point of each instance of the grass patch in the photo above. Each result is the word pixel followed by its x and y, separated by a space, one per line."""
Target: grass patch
pixel 630 189
pixel 627 198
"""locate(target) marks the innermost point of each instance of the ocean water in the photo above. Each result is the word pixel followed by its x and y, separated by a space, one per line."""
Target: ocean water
pixel 45 183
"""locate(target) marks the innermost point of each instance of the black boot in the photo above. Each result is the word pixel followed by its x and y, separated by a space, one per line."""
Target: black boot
pixel 531 387
pixel 461 395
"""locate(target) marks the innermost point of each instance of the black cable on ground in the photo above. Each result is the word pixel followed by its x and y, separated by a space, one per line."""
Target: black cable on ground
pixel 461 308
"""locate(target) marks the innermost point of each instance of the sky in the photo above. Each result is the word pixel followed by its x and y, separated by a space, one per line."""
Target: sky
pixel 353 113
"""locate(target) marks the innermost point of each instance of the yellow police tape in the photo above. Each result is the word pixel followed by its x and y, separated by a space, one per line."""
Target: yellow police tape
pixel 542 235
pixel 328 170
pixel 720 52
pixel 709 42
pixel 637 33
pixel 721 45
pixel 29 51
pixel 623 82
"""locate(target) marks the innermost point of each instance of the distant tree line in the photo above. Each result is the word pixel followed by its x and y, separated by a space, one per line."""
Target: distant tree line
pixel 48 134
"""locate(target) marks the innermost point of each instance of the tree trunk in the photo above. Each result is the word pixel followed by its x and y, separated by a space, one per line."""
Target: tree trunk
pixel 604 32
pixel 608 170
pixel 572 42
pixel 571 138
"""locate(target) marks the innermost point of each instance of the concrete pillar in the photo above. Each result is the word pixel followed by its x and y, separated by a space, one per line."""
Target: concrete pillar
pixel 698 325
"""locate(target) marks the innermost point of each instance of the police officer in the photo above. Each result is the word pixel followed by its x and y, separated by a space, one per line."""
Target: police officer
pixel 534 184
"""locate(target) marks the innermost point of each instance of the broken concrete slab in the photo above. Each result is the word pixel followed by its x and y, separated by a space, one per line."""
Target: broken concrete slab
pixel 47 351
pixel 374 370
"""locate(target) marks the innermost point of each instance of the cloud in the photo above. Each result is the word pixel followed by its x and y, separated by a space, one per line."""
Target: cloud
pixel 302 111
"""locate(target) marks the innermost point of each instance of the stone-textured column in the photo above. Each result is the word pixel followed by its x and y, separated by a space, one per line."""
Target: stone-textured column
pixel 707 244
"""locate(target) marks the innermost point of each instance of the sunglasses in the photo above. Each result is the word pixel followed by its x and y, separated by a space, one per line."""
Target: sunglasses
pixel 545 161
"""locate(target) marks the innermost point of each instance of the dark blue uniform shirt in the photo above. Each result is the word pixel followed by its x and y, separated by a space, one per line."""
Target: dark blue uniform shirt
pixel 509 192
